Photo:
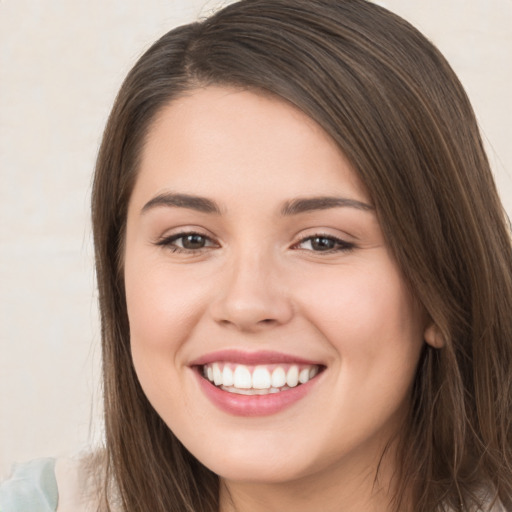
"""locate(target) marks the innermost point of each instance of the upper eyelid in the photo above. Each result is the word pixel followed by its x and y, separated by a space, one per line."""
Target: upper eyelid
pixel 176 236
pixel 176 233
pixel 334 230
pixel 347 239
pixel 337 239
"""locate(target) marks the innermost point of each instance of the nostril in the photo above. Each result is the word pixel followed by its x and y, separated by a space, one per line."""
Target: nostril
pixel 246 310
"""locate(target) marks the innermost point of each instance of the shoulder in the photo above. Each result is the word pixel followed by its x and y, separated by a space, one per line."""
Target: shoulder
pixel 55 485
pixel 79 489
pixel 490 501
pixel 82 485
pixel 32 486
pixel 496 506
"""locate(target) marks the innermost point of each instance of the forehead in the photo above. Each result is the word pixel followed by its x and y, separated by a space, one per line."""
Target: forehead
pixel 218 135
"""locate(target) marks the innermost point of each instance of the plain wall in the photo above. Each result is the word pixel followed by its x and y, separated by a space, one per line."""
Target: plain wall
pixel 61 64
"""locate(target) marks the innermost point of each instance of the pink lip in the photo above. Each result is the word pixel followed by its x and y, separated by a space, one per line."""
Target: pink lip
pixel 254 405
pixel 250 358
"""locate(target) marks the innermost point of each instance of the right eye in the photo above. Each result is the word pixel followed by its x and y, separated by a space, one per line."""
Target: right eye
pixel 187 242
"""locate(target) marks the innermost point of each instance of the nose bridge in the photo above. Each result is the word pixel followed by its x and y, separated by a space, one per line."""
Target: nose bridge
pixel 252 294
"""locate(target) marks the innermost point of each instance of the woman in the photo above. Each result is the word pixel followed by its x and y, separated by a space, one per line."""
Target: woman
pixel 304 272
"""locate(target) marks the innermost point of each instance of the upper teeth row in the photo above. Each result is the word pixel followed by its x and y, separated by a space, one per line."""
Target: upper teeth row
pixel 258 377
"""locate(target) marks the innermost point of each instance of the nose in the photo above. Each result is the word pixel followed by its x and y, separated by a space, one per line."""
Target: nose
pixel 252 296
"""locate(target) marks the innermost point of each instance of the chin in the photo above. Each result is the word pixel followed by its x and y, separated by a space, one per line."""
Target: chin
pixel 255 457
pixel 260 472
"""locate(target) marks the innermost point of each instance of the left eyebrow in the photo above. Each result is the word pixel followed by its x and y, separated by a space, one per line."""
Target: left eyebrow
pixel 310 204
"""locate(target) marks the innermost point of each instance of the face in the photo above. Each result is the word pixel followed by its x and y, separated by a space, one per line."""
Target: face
pixel 270 326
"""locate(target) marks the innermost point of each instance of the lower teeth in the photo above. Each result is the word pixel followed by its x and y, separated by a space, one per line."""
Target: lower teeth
pixel 231 389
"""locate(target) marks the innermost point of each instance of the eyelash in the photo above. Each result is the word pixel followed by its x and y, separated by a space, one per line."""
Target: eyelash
pixel 339 244
pixel 169 243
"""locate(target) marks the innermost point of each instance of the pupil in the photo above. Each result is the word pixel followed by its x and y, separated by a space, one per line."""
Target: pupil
pixel 193 242
pixel 322 244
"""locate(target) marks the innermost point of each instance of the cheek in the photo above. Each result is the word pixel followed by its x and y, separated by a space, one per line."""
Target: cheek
pixel 375 328
pixel 163 311
pixel 161 307
pixel 369 317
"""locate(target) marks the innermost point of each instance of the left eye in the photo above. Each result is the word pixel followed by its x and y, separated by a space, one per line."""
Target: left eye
pixel 322 243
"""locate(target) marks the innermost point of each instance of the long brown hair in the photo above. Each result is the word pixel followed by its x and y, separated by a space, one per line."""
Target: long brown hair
pixel 391 102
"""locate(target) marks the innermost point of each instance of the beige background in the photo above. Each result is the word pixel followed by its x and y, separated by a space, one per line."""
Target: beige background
pixel 61 63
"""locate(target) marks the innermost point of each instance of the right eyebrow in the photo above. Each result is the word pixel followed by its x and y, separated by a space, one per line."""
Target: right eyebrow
pixel 173 200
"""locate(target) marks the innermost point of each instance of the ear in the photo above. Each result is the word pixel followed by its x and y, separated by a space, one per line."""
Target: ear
pixel 433 336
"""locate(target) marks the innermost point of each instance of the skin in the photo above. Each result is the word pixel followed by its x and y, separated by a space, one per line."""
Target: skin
pixel 260 283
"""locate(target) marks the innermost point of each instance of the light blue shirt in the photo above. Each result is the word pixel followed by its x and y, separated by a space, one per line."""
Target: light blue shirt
pixel 32 487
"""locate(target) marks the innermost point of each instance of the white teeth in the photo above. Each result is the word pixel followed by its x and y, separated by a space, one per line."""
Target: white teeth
pixel 232 389
pixel 292 377
pixel 227 376
pixel 304 375
pixel 278 377
pixel 244 391
pixel 258 379
pixel 261 378
pixel 217 374
pixel 242 378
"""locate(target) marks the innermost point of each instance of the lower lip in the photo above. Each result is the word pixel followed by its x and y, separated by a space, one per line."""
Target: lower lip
pixel 254 405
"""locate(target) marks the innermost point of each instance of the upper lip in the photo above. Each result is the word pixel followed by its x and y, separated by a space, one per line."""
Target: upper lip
pixel 251 358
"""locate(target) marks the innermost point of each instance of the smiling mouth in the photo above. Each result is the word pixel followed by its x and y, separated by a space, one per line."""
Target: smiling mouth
pixel 258 379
